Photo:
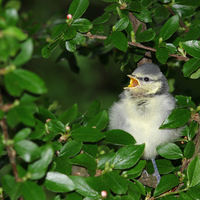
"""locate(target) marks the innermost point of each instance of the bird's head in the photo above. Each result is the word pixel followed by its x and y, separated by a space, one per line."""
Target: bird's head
pixel 147 80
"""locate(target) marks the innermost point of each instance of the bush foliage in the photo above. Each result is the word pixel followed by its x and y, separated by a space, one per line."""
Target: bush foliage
pixel 73 155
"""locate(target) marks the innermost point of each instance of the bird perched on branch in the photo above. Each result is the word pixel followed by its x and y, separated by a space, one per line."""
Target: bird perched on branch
pixel 143 106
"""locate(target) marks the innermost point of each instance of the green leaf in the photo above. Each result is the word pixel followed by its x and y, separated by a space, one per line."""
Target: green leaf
pixel 162 55
pixel 15 32
pixel 169 27
pixel 58 182
pixel 23 113
pixel 134 6
pixel 164 166
pixel 184 101
pixel 192 129
pixel 128 156
pixel 83 187
pixel 27 150
pixel 119 40
pixel 70 47
pixel 86 134
pixel 144 15
pixel 91 149
pixel 38 168
pixel 79 39
pixel 161 13
pixel 116 183
pixel 70 149
pixel 119 137
pixel 11 18
pixel 108 157
pixel 77 8
pixel 69 33
pixel 25 54
pixel 102 19
pixel 84 160
pixel 190 66
pixel 94 109
pixel 55 126
pixel 167 182
pixel 193 172
pixel 189 149
pixel 10 187
pixel 32 191
pixel 177 118
pixel 145 36
pixel 69 115
pixel 185 2
pixel 60 29
pixel 170 151
pixel 99 121
pixel 192 47
pixel 195 191
pixel 24 79
pixel 82 25
pixel 183 10
pixel 121 24
pixel 22 134
pixel 196 74
pixel 192 34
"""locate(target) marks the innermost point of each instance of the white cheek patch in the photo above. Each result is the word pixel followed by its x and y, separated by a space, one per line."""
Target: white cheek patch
pixel 154 87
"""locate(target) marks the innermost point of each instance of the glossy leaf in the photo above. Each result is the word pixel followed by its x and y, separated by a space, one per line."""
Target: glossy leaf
pixel 82 25
pixel 32 191
pixel 59 29
pixel 144 15
pixel 119 40
pixel 134 6
pixel 83 187
pixel 77 8
pixel 170 151
pixel 195 191
pixel 38 168
pixel 12 188
pixel 27 150
pixel 185 2
pixel 70 33
pixel 167 182
pixel 25 53
pixel 108 157
pixel 24 80
pixel 55 126
pixel 79 39
pixel 121 24
pixel 192 129
pixel 128 156
pixel 86 134
pixel 177 118
pixel 162 55
pixel 70 47
pixel 84 160
pixel 70 149
pixel 62 165
pixel 196 74
pixel 112 178
pixel 145 36
pixel 193 172
pixel 102 19
pixel 183 10
pixel 192 47
pixel 91 149
pixel 119 137
pixel 189 149
pixel 58 182
pixel 22 134
pixel 184 101
pixel 169 28
pixel 99 121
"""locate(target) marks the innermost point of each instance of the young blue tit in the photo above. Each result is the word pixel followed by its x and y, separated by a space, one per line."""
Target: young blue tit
pixel 143 106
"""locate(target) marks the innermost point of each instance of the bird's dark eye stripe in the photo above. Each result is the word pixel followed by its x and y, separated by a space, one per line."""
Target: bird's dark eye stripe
pixel 146 79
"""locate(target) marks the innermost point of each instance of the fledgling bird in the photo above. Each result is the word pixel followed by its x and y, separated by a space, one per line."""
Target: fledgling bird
pixel 142 108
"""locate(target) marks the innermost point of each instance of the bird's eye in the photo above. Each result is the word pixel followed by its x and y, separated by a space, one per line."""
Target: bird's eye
pixel 146 79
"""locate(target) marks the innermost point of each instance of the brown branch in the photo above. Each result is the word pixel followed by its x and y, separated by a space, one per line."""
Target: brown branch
pixel 11 152
pixel 136 45
pixel 180 21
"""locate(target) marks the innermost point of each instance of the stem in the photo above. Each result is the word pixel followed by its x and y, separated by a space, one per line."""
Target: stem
pixel 136 45
pixel 11 152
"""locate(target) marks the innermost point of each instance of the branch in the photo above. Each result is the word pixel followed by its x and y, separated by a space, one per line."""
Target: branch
pixel 11 152
pixel 136 45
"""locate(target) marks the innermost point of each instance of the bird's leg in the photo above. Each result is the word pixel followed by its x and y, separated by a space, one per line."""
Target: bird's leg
pixel 156 172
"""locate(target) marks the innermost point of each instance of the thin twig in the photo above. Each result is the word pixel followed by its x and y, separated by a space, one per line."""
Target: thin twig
pixel 136 45
pixel 11 152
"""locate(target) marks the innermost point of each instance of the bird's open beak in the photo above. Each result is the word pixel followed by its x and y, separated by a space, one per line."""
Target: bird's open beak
pixel 134 82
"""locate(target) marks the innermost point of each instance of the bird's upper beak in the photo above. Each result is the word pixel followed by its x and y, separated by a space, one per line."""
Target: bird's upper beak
pixel 134 82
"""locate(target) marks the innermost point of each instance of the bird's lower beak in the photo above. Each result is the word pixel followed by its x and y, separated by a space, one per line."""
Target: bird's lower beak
pixel 134 82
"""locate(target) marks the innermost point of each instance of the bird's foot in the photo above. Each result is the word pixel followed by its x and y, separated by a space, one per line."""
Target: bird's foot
pixel 157 175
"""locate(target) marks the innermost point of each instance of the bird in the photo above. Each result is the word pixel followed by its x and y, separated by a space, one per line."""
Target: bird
pixel 143 106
